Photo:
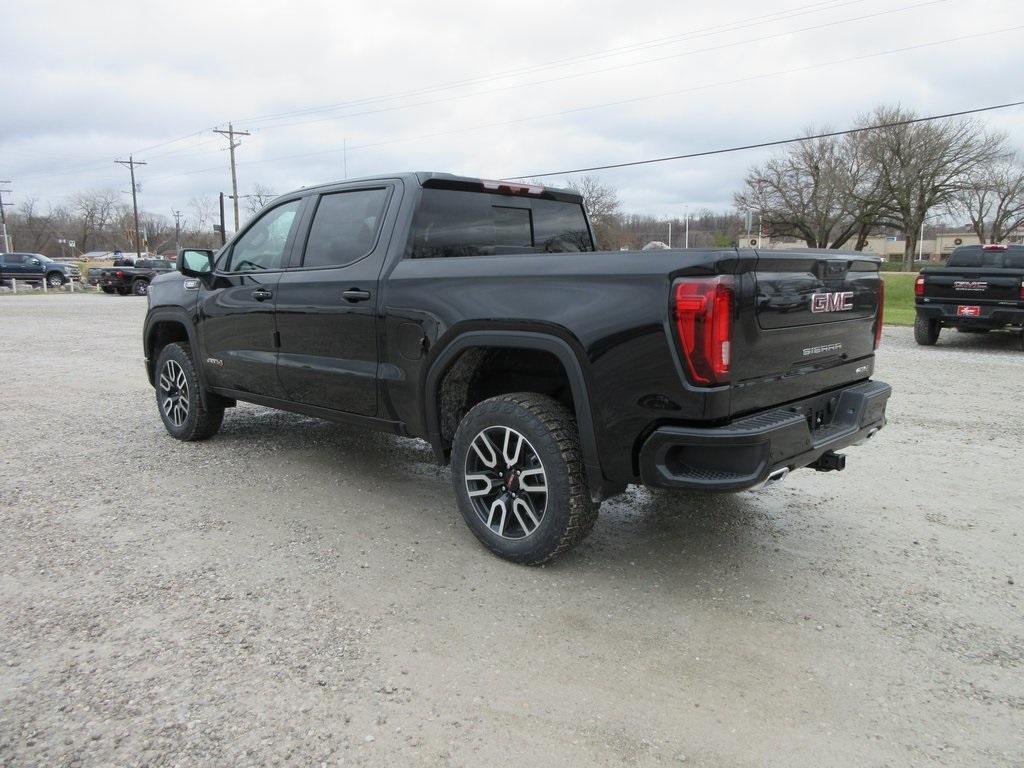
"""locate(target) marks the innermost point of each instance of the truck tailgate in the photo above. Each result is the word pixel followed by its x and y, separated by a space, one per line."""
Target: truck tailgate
pixel 973 285
pixel 810 328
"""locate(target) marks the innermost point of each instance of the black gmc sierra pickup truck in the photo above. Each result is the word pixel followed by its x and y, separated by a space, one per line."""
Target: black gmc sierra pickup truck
pixel 980 289
pixel 133 278
pixel 479 316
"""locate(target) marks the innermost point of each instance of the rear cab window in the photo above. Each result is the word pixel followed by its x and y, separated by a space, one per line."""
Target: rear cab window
pixel 458 222
pixel 977 257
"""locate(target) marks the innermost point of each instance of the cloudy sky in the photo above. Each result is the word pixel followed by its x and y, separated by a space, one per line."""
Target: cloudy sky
pixel 477 88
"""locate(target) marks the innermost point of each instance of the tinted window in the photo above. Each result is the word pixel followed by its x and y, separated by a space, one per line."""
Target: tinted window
pixel 262 246
pixel 13 258
pixel 977 257
pixel 457 223
pixel 344 227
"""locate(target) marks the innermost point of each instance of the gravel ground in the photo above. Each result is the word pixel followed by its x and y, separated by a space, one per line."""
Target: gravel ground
pixel 294 592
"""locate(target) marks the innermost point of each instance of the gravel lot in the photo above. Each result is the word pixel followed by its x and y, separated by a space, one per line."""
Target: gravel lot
pixel 299 593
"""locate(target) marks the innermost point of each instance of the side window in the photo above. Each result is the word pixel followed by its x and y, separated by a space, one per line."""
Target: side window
pixel 12 259
pixel 262 246
pixel 344 227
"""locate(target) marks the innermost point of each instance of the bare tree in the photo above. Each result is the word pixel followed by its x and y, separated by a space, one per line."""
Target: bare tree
pixel 259 197
pixel 203 209
pixel 95 209
pixel 600 201
pixel 922 166
pixel 993 200
pixel 810 191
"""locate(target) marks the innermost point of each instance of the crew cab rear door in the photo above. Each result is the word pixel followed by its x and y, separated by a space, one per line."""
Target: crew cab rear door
pixel 810 326
pixel 327 300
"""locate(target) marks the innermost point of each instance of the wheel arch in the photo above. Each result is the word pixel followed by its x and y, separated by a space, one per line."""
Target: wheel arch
pixel 166 326
pixel 561 349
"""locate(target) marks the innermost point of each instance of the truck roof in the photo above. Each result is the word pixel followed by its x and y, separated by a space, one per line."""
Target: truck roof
pixel 452 181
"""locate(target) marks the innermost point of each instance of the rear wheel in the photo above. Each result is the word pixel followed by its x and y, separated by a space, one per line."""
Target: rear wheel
pixel 108 289
pixel 926 331
pixel 122 291
pixel 178 396
pixel 519 479
pixel 140 287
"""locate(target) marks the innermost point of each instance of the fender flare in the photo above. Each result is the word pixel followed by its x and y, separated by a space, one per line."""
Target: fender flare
pixel 565 354
pixel 179 316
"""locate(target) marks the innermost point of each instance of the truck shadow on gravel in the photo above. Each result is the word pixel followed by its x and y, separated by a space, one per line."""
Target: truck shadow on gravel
pixel 639 524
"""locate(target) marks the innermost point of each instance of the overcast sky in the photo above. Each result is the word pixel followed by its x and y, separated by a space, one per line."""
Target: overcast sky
pixel 477 88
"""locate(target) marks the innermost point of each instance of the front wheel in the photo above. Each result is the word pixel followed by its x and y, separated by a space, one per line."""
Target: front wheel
pixel 140 287
pixel 519 479
pixel 178 396
pixel 55 280
pixel 926 331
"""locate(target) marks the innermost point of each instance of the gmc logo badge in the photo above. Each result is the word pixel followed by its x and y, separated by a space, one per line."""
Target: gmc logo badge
pixel 832 302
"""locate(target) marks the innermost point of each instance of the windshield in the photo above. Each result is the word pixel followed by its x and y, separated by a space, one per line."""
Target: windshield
pixel 44 258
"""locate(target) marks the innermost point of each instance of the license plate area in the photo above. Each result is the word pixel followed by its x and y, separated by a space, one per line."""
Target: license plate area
pixel 968 310
pixel 819 412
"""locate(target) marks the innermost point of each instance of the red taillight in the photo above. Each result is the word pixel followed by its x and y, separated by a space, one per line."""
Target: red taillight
pixel 119 274
pixel 880 314
pixel 994 247
pixel 919 286
pixel 703 311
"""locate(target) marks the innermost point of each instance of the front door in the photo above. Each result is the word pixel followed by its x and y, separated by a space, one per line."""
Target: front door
pixel 237 305
pixel 326 304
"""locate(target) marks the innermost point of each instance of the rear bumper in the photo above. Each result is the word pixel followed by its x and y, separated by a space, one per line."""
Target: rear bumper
pixel 990 315
pixel 753 449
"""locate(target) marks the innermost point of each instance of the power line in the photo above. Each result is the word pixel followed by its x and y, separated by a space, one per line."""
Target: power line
pixel 604 70
pixel 739 24
pixel 764 144
pixel 621 102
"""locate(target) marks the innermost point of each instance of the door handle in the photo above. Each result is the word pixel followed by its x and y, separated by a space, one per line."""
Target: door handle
pixel 352 295
pixel 262 294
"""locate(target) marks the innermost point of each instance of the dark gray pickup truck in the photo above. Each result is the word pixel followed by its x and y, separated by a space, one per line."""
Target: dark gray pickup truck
pixel 980 289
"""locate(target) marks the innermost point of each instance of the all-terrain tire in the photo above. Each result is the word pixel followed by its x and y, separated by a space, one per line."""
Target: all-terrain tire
pixel 140 287
pixel 552 438
pixel 185 417
pixel 926 331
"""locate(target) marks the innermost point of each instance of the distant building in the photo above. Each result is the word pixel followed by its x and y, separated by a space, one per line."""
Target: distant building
pixel 889 247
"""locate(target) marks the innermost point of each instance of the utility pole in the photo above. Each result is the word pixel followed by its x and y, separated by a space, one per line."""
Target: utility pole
pixel 177 230
pixel 130 164
pixel 670 233
pixel 3 217
pixel 686 243
pixel 223 235
pixel 232 145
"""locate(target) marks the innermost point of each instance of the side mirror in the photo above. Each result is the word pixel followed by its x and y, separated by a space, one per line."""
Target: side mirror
pixel 34 262
pixel 195 262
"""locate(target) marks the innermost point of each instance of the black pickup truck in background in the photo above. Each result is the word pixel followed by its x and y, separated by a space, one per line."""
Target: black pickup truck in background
pixel 480 316
pixel 133 279
pixel 980 289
